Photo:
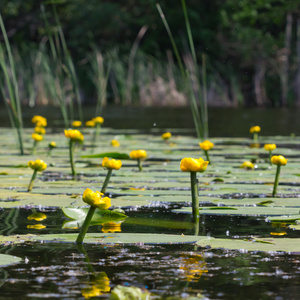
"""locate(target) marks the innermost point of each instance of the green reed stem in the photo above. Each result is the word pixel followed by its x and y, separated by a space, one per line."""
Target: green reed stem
pixel 276 180
pixel 32 181
pixel 34 147
pixel 255 137
pixel 71 152
pixel 270 158
pixel 89 216
pixel 195 198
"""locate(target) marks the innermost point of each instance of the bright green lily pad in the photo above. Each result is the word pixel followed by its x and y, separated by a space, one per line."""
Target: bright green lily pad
pixel 6 260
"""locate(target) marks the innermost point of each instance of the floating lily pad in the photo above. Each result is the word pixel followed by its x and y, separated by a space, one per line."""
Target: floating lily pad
pixel 6 260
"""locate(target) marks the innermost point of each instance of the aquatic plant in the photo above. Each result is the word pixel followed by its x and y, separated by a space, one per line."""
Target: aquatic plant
pixel 270 148
pixel 206 145
pixel 90 123
pixel 138 155
pixel 115 143
pixel 51 146
pixel 166 136
pixel 75 136
pixel 36 139
pixel 279 161
pixel 194 165
pixel 37 165
pixel 255 130
pixel 98 121
pixel 76 124
pixel 39 121
pixel 98 285
pixel 96 199
pixel 247 165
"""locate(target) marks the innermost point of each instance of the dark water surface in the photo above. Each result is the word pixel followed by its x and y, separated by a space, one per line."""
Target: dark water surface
pixel 223 122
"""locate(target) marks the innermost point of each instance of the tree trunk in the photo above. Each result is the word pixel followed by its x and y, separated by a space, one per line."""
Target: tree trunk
pixel 259 78
pixel 297 77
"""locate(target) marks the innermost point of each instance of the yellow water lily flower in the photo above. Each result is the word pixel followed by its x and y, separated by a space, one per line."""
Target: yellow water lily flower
pixel 189 164
pixel 76 123
pixel 111 164
pixel 95 199
pixel 38 165
pixel 90 123
pixel 269 147
pixel 247 165
pixel 37 216
pixel 52 145
pixel 206 145
pixel 115 143
pixel 39 121
pixel 138 154
pixel 166 135
pixel 255 129
pixel 74 135
pixel 39 130
pixel 37 137
pixel 279 160
pixel 98 120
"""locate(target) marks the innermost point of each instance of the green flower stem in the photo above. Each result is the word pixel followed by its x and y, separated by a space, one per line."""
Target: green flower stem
pixel 105 183
pixel 255 137
pixel 85 225
pixel 276 181
pixel 34 147
pixel 270 156
pixel 195 198
pixel 32 181
pixel 139 164
pixel 71 152
pixel 89 216
pixel 207 156
pixel 49 152
pixel 96 133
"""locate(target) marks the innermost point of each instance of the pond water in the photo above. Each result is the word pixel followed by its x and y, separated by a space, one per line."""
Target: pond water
pixel 181 261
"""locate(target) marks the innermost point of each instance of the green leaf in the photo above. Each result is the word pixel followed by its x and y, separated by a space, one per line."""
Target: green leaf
pixel 99 217
pixel 115 155
pixel 6 260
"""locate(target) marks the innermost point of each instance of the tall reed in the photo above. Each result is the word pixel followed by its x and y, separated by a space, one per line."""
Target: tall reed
pixel 197 90
pixel 13 104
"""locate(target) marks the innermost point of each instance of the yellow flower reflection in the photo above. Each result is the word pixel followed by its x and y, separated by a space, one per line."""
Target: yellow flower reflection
pixel 111 227
pixel 37 216
pixel 192 267
pixel 36 226
pixel 96 287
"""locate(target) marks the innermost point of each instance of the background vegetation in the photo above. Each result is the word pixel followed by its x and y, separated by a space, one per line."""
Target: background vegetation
pixel 118 51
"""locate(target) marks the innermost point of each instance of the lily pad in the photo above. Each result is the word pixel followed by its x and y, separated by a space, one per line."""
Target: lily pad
pixel 6 260
pixel 115 155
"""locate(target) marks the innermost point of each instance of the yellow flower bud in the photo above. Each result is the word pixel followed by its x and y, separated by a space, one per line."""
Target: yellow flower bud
pixel 137 154
pixel 247 165
pixel 279 160
pixel 95 199
pixel 269 147
pixel 189 164
pixel 111 164
pixel 98 120
pixel 166 135
pixel 52 145
pixel 39 121
pixel 76 124
pixel 74 135
pixel 37 137
pixel 115 143
pixel 40 130
pixel 206 145
pixel 90 123
pixel 38 165
pixel 254 129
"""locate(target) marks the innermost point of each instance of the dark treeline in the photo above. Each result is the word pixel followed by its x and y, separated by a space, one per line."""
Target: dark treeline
pixel 252 47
